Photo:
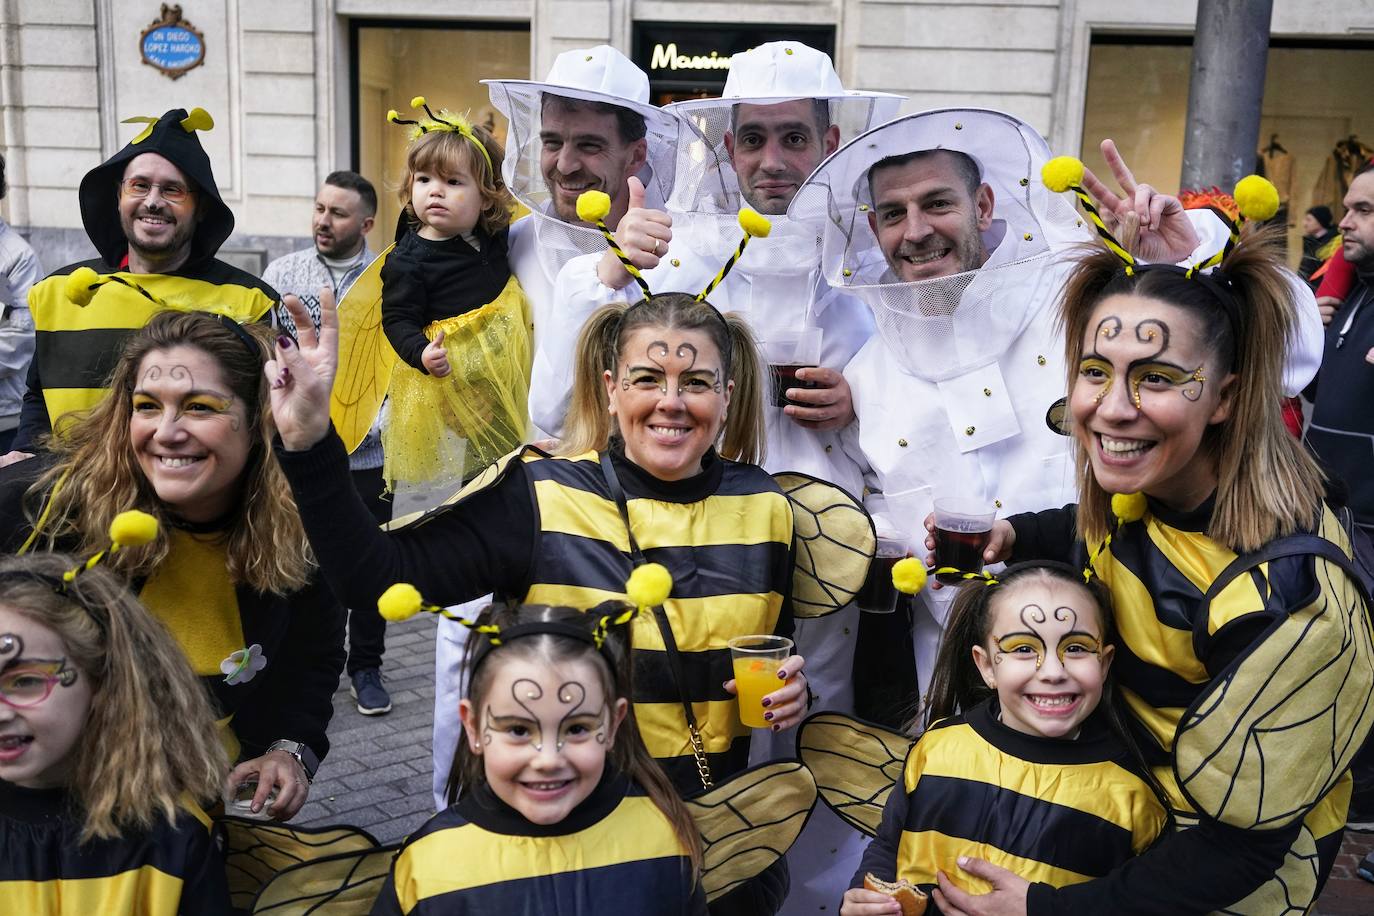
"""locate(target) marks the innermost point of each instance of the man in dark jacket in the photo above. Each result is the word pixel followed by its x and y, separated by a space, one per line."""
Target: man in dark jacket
pixel 154 214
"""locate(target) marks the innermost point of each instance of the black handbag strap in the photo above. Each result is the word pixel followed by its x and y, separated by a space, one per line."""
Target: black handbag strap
pixel 665 628
pixel 1291 546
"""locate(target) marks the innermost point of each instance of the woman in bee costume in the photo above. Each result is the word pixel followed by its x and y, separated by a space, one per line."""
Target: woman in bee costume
pixel 1245 649
pixel 638 479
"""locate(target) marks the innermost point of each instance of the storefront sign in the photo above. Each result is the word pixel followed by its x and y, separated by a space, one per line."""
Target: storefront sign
pixel 172 44
pixel 689 55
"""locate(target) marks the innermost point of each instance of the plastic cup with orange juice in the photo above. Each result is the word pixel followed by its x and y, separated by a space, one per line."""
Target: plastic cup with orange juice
pixel 757 660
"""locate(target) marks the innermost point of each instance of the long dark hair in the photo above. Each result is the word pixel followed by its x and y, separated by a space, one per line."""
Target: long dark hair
pixel 613 666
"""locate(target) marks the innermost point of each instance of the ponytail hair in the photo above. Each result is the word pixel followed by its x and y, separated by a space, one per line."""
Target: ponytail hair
pixel 149 741
pixel 1268 485
pixel 589 426
pixel 613 666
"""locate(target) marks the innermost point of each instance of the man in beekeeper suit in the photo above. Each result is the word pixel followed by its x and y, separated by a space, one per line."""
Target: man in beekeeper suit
pixel 587 126
pixel 939 221
pixel 783 110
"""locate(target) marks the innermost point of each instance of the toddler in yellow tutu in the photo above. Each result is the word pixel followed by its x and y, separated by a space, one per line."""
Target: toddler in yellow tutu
pixel 452 311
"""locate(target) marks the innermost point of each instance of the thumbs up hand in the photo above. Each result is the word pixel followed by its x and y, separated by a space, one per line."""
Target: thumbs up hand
pixel 642 233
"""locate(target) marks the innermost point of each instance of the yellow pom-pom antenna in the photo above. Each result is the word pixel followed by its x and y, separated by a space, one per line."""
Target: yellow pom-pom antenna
pixel 649 585
pixel 81 285
pixel 593 206
pixel 1065 173
pixel 1256 197
pixel 1129 507
pixel 198 119
pixel 755 225
pixel 400 602
pixel 393 116
pixel 909 575
pixel 1062 173
pixel 418 102
pixel 132 528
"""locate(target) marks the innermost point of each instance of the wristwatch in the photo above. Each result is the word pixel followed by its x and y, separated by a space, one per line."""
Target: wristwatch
pixel 303 754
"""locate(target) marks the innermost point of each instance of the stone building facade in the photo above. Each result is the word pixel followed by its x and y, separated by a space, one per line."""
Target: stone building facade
pixel 298 87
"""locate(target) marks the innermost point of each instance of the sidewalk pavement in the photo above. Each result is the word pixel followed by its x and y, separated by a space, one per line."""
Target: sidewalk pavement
pixel 377 774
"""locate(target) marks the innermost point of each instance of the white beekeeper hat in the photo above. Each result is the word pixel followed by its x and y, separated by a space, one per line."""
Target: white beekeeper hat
pixel 778 71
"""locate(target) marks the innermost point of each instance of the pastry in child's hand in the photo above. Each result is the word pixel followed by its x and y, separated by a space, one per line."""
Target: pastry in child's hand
pixel 912 900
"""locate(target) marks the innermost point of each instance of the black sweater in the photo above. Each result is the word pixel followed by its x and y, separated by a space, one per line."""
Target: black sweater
pixel 424 281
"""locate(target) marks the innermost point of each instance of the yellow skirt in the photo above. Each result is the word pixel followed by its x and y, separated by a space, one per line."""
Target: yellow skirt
pixel 450 428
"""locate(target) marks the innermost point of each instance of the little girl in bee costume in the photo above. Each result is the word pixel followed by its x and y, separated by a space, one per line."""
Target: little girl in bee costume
pixel 106 742
pixel 1026 762
pixel 451 309
pixel 562 811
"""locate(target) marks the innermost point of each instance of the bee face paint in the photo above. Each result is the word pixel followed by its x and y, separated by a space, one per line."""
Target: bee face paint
pixel 543 734
pixel 1044 656
pixel 1145 392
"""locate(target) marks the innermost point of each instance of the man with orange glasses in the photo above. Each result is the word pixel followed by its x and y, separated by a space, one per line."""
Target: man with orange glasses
pixel 154 214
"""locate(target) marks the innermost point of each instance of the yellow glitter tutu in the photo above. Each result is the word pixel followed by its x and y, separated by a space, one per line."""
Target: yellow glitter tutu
pixel 449 429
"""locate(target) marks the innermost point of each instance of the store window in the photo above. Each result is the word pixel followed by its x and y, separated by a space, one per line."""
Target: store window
pixel 690 60
pixel 1316 125
pixel 395 61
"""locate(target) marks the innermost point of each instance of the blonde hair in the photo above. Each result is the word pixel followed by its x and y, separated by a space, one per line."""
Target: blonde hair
pixel 97 475
pixel 1268 485
pixel 447 152
pixel 614 668
pixel 149 741
pixel 589 425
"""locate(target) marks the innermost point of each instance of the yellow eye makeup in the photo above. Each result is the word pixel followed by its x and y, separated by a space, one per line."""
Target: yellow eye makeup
pixel 1014 644
pixel 208 402
pixel 1097 371
pixel 1081 642
pixel 1163 376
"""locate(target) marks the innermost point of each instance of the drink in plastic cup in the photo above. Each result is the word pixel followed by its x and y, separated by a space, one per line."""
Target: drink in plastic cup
pixel 757 660
pixel 879 595
pixel 787 352
pixel 241 803
pixel 963 528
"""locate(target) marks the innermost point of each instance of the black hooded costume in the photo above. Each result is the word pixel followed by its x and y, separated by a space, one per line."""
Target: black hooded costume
pixel 77 346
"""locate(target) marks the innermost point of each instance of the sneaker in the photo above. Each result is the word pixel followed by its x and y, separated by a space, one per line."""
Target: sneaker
pixel 373 700
pixel 1366 868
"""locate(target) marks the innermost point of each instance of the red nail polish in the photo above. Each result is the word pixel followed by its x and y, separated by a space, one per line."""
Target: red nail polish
pixel 767 701
pixel 284 341
pixel 768 716
pixel 776 727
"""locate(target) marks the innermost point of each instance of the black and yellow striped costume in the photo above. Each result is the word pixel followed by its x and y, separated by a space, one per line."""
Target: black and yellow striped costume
pixel 77 347
pixel 1050 810
pixel 171 869
pixel 545 530
pixel 1248 706
pixel 300 635
pixel 614 853
pixel 728 554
